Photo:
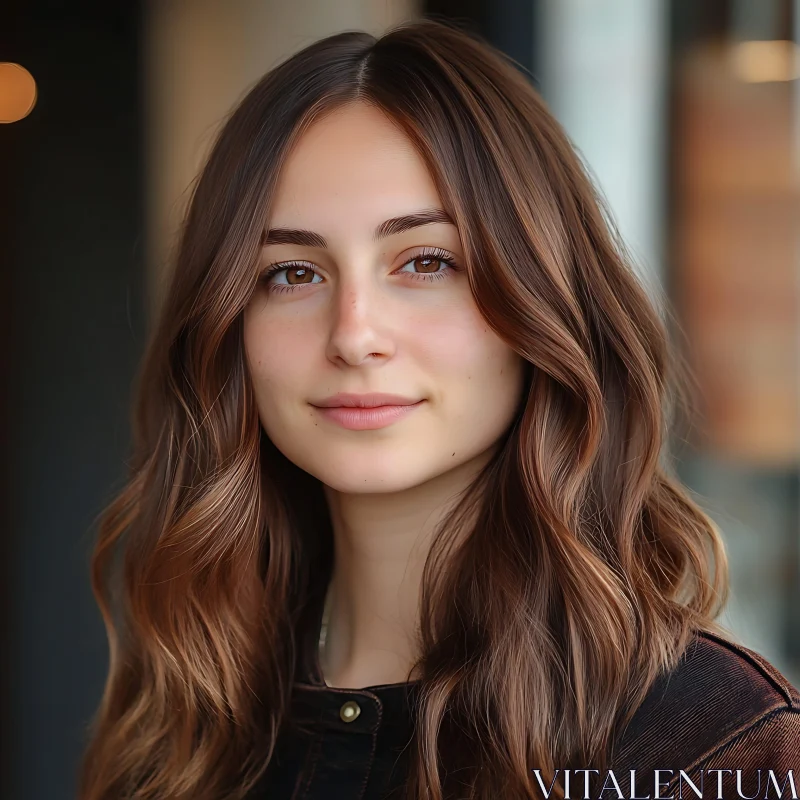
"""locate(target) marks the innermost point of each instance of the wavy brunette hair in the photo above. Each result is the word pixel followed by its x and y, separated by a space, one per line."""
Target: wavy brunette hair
pixel 574 569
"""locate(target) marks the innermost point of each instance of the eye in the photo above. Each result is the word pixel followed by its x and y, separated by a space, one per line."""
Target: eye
pixel 428 264
pixel 284 277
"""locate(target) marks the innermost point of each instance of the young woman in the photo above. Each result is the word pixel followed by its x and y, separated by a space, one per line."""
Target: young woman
pixel 405 380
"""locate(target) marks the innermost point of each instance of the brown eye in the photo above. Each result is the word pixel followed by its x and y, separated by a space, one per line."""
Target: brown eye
pixel 296 275
pixel 427 264
pixel 430 265
pixel 285 277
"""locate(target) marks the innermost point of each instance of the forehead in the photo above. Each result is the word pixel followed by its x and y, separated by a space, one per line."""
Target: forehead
pixel 353 164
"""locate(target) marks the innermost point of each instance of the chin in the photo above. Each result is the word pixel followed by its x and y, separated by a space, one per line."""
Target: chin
pixel 369 481
pixel 387 470
pixel 370 486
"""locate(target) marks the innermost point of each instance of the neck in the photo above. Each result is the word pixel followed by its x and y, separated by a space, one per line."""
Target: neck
pixel 381 544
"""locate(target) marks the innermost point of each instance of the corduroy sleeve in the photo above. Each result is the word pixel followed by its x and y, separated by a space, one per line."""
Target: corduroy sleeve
pixel 760 761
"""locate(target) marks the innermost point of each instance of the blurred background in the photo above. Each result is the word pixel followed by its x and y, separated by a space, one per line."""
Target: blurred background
pixel 687 113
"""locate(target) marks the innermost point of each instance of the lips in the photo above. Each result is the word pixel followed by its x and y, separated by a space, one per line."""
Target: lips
pixel 367 411
pixel 372 400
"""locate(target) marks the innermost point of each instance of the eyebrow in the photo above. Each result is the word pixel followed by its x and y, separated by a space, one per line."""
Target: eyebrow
pixel 389 227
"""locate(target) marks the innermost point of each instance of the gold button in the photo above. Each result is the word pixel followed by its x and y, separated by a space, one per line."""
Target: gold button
pixel 349 711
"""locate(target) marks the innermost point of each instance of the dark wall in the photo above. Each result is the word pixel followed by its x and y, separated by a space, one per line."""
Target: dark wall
pixel 510 25
pixel 71 240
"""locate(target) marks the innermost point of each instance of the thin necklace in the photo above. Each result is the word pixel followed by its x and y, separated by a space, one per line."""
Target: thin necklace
pixel 322 651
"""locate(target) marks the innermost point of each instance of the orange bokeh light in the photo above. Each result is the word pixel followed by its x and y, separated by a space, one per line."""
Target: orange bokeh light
pixel 17 92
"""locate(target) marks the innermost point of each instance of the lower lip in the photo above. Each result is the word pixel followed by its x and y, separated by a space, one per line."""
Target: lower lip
pixel 366 419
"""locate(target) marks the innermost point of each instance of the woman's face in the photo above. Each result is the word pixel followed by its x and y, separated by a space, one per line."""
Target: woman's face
pixel 357 307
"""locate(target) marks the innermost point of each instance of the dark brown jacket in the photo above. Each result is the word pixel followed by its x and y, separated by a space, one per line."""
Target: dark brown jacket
pixel 724 707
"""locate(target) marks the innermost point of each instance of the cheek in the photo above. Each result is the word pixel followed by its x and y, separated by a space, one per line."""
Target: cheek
pixel 276 355
pixel 459 346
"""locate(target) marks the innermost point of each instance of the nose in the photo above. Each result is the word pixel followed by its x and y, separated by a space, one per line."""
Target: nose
pixel 360 325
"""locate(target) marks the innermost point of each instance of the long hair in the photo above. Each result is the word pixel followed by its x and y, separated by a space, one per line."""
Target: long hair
pixel 574 570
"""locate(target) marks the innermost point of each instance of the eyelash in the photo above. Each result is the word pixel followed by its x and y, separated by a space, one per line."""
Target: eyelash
pixel 434 252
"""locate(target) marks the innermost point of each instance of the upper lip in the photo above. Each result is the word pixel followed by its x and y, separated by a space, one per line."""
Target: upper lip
pixel 372 400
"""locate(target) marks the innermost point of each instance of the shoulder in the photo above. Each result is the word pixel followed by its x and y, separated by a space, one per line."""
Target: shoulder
pixel 721 695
